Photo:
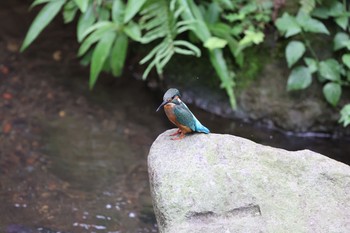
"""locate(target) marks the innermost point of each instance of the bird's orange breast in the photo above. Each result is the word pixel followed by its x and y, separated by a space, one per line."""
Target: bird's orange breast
pixel 169 111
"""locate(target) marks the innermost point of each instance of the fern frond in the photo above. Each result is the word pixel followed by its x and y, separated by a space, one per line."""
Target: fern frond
pixel 160 20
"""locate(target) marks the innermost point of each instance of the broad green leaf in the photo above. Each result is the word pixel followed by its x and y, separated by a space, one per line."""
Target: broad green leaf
pixel 307 5
pixel 320 12
pixel 311 64
pixel 132 8
pixel 330 69
pixel 251 37
pixel 342 21
pixel 82 4
pixel 118 54
pixel 118 10
pixel 103 14
pixel 85 21
pixel 288 25
pixel 212 14
pixel 294 51
pixel 341 40
pixel 45 16
pixel 237 30
pixel 249 8
pixel 311 25
pixel 332 93
pixel 336 9
pixel 215 43
pixel 345 115
pixel 86 59
pixel 133 31
pixel 93 38
pixel 300 78
pixel 346 59
pixel 69 12
pixel 220 29
pixel 226 77
pixel 99 56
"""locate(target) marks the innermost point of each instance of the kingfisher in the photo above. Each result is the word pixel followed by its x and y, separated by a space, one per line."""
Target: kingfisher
pixel 180 115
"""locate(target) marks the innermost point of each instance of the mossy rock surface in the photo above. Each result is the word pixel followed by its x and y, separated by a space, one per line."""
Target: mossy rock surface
pixel 222 183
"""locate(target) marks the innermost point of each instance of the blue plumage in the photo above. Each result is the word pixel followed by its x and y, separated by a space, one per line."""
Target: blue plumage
pixel 191 121
pixel 179 114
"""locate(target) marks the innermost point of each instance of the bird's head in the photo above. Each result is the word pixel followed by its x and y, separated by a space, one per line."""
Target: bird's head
pixel 171 95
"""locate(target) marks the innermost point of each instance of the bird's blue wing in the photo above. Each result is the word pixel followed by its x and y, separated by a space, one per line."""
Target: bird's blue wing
pixel 184 116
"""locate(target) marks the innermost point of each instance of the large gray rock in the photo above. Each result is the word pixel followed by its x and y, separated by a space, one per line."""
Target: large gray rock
pixel 221 183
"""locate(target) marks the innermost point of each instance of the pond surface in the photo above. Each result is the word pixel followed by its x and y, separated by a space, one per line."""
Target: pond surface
pixel 72 160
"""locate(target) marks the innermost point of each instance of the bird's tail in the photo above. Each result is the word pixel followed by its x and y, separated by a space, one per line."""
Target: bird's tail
pixel 201 128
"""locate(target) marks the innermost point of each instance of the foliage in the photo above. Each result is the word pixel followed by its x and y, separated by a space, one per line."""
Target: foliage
pixel 106 27
pixel 334 72
pixel 345 115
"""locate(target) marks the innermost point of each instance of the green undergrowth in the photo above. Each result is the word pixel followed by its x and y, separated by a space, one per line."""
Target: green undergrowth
pixel 227 33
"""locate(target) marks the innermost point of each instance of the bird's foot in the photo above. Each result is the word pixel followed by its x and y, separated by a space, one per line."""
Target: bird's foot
pixel 176 133
pixel 182 135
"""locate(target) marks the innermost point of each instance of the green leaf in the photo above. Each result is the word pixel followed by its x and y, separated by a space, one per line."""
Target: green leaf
pixel 133 31
pixel 96 26
pixel 330 69
pixel 100 55
pixel 288 25
pixel 342 21
pixel 233 17
pixel 93 38
pixel 332 93
pixel 82 4
pixel 103 14
pixel 311 25
pixel 311 64
pixel 341 40
pixel 38 2
pixel 345 115
pixel 132 8
pixel 300 78
pixel 320 12
pixel 226 77
pixel 215 43
pixel 85 21
pixel 294 51
pixel 251 37
pixel 189 46
pixel 69 12
pixel 118 54
pixel 336 9
pixel 346 59
pixel 307 5
pixel 118 11
pixel 45 16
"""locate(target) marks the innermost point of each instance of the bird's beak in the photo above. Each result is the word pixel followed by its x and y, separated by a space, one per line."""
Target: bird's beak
pixel 161 105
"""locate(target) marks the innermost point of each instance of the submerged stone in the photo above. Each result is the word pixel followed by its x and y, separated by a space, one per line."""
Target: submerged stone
pixel 222 183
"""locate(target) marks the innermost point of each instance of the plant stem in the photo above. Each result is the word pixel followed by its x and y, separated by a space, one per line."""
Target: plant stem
pixel 307 43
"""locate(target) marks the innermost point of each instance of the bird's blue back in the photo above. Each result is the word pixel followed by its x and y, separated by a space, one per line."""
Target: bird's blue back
pixel 185 117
